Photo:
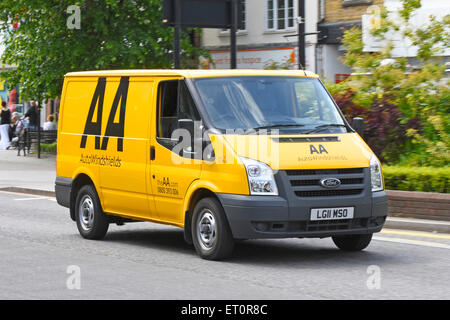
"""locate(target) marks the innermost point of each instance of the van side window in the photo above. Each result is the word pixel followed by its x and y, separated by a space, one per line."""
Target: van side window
pixel 174 103
pixel 168 100
pixel 187 109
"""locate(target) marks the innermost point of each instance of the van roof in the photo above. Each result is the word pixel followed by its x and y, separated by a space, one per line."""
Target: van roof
pixel 193 73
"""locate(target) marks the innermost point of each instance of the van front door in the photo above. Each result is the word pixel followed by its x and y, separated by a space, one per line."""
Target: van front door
pixel 171 172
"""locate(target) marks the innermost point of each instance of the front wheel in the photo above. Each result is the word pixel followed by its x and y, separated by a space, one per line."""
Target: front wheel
pixel 211 233
pixel 92 222
pixel 356 242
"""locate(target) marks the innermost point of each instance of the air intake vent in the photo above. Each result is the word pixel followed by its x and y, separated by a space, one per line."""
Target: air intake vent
pixel 328 193
pixel 306 139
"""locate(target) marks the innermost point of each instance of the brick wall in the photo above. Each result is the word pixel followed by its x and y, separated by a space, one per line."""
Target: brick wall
pixel 336 12
pixel 419 205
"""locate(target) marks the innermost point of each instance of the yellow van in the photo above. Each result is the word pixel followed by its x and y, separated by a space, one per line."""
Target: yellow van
pixel 223 154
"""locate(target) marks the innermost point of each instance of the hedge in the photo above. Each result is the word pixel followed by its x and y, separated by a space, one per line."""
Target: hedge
pixel 48 147
pixel 425 179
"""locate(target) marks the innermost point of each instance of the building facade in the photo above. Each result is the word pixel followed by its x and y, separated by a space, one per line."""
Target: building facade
pixel 268 37
pixel 270 28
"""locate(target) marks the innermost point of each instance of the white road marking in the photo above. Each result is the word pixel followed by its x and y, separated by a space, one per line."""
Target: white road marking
pixel 414 242
pixel 30 196
pixel 415 234
pixel 418 221
pixel 34 198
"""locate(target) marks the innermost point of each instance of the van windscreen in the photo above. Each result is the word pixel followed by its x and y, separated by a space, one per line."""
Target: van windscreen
pixel 291 104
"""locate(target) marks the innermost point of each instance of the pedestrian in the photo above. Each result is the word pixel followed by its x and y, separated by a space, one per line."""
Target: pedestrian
pixel 5 116
pixel 17 127
pixel 32 115
pixel 49 124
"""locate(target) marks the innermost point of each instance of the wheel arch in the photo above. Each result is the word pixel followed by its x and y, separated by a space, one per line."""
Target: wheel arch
pixel 80 180
pixel 194 195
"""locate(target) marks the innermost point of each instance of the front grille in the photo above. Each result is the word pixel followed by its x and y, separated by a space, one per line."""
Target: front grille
pixel 316 182
pixel 306 183
pixel 323 171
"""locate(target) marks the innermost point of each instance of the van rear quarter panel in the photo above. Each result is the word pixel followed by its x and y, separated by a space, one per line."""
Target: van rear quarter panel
pixel 119 175
pixel 77 96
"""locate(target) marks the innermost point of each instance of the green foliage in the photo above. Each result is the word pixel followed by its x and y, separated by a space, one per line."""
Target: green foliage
pixel 48 148
pixel 425 179
pixel 408 7
pixel 438 153
pixel 422 94
pixel 113 35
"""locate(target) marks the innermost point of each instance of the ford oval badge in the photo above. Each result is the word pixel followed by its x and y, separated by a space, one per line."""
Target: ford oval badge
pixel 330 183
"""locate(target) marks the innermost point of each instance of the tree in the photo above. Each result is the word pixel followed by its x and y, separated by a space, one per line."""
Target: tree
pixel 44 42
pixel 420 94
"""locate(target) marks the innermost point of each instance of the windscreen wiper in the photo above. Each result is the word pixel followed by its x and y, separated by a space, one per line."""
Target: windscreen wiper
pixel 279 126
pixel 323 126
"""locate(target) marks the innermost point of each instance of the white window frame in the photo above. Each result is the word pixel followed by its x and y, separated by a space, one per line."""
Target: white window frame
pixel 275 16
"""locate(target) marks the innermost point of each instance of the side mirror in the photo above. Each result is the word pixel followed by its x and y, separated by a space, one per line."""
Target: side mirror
pixel 198 144
pixel 187 124
pixel 358 125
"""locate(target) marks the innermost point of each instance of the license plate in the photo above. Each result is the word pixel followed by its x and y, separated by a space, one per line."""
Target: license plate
pixel 332 213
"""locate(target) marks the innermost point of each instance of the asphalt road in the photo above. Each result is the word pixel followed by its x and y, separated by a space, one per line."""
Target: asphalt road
pixel 43 257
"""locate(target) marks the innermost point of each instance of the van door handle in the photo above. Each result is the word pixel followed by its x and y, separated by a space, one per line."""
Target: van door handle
pixel 152 153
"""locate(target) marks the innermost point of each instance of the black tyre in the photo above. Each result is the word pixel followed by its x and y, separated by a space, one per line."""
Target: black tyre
pixel 211 233
pixel 356 242
pixel 92 223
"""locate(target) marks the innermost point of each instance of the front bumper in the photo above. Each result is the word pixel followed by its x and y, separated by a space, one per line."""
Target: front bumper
pixel 256 217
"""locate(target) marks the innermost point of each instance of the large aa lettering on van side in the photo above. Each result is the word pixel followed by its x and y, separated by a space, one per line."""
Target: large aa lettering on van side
pixel 112 129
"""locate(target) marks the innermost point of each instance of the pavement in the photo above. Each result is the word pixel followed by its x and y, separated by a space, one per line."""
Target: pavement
pixel 27 172
pixel 37 176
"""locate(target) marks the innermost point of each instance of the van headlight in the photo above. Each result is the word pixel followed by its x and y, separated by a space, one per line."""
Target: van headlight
pixel 260 176
pixel 376 176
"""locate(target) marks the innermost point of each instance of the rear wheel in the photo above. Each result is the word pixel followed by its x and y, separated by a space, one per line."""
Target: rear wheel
pixel 211 233
pixel 356 242
pixel 92 223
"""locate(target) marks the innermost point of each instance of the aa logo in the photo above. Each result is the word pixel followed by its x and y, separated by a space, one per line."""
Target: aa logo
pixel 113 129
pixel 321 150
pixel 166 182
